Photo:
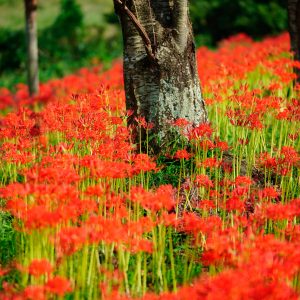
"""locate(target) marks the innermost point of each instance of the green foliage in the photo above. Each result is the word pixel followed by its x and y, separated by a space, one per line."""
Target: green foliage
pixel 68 21
pixel 12 47
pixel 63 37
pixel 64 47
pixel 69 43
pixel 214 20
pixel 7 238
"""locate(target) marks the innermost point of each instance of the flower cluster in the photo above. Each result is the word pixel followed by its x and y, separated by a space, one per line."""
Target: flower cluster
pixel 95 219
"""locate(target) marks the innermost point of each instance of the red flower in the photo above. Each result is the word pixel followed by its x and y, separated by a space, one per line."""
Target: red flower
pixel 182 154
pixel 142 162
pixel 206 204
pixel 211 162
pixel 58 286
pixel 180 122
pixel 235 203
pixel 39 267
pixel 265 160
pixel 162 198
pixel 290 155
pixel 72 239
pixel 203 180
pixel 243 181
pixel 268 192
pixel 34 293
pixel 223 146
pixel 201 131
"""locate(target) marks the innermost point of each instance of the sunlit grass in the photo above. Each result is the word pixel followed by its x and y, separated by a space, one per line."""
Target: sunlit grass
pixel 86 215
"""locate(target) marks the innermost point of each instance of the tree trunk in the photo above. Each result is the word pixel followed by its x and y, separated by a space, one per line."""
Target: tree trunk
pixel 294 28
pixel 32 46
pixel 160 71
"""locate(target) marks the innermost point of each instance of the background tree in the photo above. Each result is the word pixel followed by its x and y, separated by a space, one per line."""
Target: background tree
pixel 214 20
pixel 294 27
pixel 32 46
pixel 160 72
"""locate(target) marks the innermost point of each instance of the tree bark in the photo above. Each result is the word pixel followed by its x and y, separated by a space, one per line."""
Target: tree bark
pixel 294 28
pixel 32 46
pixel 160 71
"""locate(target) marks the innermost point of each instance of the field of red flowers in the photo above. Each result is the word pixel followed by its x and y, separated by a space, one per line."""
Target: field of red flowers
pixel 92 217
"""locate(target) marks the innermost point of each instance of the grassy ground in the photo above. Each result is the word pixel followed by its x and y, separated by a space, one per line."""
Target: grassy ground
pixel 12 12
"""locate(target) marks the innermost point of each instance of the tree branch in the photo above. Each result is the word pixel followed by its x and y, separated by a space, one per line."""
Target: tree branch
pixel 180 19
pixel 120 6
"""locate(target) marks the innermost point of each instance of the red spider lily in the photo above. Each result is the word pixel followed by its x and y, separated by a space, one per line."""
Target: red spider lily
pixel 193 224
pixel 95 191
pixel 291 112
pixel 79 200
pixel 98 229
pixel 201 131
pixel 274 86
pixel 211 162
pixel 58 286
pixel 206 144
pixel 203 181
pixel 243 181
pixel 141 121
pixel 220 247
pixel 222 145
pixel 162 198
pixel 235 203
pixel 53 174
pixel 266 161
pixel 225 182
pixel 292 233
pixel 40 267
pixel 34 292
pixel 5 98
pixel 206 204
pixel 268 193
pixel 240 191
pixel 107 169
pixel 215 194
pixel 12 154
pixel 180 122
pixel 142 162
pixel 282 211
pixel 72 239
pixel 238 117
pixel 141 246
pixel 40 217
pixel 168 219
pixel 182 154
pixel 290 156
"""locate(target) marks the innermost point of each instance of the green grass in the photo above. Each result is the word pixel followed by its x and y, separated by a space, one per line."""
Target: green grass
pixel 7 238
pixel 12 12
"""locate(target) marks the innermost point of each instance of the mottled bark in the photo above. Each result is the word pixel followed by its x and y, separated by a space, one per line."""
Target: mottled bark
pixel 161 79
pixel 32 46
pixel 294 28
